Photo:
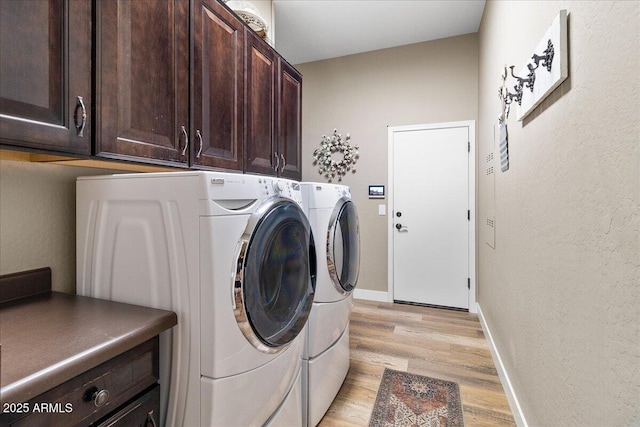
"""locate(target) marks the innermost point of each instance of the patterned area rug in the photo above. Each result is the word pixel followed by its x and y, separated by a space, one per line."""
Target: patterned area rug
pixel 409 400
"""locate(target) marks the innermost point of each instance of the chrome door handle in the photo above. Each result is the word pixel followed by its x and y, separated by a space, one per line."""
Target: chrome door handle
pixel 83 117
pixel 284 163
pixel 186 141
pixel 401 227
pixel 277 162
pixel 150 420
pixel 200 142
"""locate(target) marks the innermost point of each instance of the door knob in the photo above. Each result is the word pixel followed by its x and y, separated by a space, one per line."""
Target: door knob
pixel 398 226
pixel 401 227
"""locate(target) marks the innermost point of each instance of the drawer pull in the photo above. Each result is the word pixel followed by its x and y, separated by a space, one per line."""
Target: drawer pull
pixel 100 397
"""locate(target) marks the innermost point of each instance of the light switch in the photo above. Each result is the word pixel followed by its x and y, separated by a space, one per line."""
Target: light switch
pixel 382 210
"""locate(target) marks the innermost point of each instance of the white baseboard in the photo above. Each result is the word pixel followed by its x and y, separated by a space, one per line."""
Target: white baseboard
pixel 366 294
pixel 514 404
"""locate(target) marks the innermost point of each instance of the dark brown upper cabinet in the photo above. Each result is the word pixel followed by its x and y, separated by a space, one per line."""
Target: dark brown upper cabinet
pixel 182 83
pixel 218 87
pixel 273 112
pixel 290 121
pixel 261 148
pixel 146 108
pixel 45 75
pixel 142 80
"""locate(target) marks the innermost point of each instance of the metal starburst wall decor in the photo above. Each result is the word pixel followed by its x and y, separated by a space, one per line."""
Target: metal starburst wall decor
pixel 339 145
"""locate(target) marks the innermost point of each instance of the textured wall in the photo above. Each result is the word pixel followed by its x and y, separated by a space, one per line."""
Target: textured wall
pixel 38 219
pixel 560 292
pixel 361 94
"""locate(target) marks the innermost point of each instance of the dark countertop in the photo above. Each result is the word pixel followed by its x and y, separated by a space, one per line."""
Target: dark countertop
pixel 50 338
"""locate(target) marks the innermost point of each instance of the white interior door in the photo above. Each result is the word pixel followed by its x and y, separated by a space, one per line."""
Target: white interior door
pixel 430 216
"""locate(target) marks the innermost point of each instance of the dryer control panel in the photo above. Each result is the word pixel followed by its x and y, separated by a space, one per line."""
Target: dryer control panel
pixel 344 191
pixel 281 187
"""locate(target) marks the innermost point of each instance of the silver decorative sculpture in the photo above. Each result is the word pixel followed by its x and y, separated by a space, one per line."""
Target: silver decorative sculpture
pixel 323 156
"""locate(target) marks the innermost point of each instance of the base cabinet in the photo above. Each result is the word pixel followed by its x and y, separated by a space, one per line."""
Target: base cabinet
pixel 143 411
pixel 123 391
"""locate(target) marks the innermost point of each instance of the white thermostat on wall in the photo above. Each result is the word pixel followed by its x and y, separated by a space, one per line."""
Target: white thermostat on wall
pixel 376 191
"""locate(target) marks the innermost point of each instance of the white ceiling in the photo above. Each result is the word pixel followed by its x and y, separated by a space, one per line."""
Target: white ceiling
pixel 312 30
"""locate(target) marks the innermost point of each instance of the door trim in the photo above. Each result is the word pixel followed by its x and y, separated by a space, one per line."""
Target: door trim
pixel 471 125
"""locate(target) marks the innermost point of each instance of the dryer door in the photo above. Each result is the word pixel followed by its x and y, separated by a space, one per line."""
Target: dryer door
pixel 343 246
pixel 275 275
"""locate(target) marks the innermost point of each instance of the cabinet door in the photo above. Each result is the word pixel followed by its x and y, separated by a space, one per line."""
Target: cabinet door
pixel 217 92
pixel 142 412
pixel 142 80
pixel 290 121
pixel 45 70
pixel 260 106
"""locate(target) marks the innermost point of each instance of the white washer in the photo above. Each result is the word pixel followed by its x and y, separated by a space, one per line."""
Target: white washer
pixel 334 222
pixel 230 254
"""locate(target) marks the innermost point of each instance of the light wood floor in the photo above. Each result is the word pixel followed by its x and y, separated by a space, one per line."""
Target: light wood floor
pixel 439 343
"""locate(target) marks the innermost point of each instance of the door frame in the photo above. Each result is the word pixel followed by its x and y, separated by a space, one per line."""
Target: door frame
pixel 471 125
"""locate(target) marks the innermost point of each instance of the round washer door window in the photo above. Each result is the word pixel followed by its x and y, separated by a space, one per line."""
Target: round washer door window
pixel 275 279
pixel 343 246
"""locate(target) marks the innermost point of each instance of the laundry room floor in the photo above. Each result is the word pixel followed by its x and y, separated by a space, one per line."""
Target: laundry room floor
pixel 438 343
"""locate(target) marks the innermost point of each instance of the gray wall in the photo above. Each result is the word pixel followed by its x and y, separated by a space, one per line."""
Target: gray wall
pixel 429 82
pixel 560 292
pixel 38 219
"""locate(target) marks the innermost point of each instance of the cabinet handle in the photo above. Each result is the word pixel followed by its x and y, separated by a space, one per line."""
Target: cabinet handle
pixel 83 122
pixel 100 397
pixel 150 420
pixel 186 141
pixel 200 142
pixel 284 163
pixel 277 162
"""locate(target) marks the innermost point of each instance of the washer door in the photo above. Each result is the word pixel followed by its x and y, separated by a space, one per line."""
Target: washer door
pixel 343 246
pixel 275 275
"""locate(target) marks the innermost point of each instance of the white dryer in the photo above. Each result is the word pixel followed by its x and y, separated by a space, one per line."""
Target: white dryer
pixel 232 255
pixel 334 222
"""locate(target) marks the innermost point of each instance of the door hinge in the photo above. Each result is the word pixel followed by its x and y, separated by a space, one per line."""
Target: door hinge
pixel 468 146
pixel 468 215
pixel 468 282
